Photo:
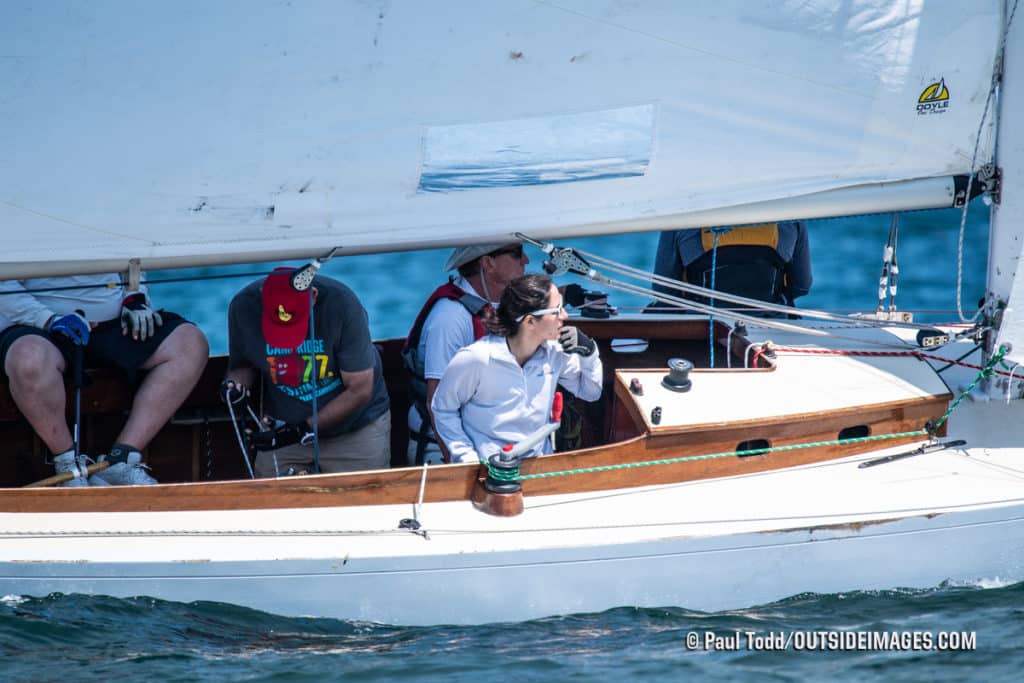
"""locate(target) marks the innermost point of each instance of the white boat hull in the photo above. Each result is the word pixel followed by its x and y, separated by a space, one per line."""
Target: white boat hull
pixel 952 516
pixel 858 128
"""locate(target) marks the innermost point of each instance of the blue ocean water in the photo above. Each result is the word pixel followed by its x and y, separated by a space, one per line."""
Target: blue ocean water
pixel 75 637
pixel 59 638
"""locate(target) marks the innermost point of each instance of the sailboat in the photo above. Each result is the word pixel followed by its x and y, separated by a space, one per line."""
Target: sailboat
pixel 813 454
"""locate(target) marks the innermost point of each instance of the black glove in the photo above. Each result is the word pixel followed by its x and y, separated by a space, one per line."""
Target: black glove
pixel 138 317
pixel 74 326
pixel 280 434
pixel 233 392
pixel 574 341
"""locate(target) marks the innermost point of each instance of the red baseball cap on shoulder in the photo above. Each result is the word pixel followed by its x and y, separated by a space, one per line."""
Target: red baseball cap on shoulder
pixel 285 310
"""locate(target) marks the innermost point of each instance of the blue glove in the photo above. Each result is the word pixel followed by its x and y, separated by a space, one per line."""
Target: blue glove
pixel 138 317
pixel 74 326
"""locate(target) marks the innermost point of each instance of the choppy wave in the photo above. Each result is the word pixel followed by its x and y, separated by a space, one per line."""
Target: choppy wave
pixel 98 638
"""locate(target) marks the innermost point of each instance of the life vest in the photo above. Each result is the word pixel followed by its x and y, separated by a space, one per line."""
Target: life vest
pixel 746 263
pixel 411 359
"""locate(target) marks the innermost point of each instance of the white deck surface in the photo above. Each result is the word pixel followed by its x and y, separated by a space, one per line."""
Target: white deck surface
pixel 799 384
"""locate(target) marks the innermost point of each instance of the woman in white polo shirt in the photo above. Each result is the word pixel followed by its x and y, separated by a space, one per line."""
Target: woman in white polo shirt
pixel 499 389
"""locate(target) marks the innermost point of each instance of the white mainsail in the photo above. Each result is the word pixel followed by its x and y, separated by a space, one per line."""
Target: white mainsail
pixel 196 132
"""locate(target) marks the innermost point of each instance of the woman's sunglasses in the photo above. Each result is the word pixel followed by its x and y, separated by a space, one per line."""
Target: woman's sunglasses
pixel 544 311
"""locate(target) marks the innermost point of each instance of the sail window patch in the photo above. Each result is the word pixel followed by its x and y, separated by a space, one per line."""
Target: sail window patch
pixel 564 148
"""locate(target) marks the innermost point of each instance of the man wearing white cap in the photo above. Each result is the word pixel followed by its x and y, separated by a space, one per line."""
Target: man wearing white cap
pixel 452 318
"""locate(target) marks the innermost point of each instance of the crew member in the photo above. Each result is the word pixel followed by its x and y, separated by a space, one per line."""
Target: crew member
pixel 43 320
pixel 453 317
pixel 769 262
pixel 499 390
pixel 269 339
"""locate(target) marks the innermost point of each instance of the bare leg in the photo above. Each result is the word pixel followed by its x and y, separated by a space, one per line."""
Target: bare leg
pixel 174 369
pixel 35 368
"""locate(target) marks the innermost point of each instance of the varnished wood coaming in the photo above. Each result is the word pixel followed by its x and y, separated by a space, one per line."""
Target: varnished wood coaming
pixel 452 483
pixel 632 441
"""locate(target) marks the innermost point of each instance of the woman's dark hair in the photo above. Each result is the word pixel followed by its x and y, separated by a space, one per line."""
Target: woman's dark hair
pixel 524 294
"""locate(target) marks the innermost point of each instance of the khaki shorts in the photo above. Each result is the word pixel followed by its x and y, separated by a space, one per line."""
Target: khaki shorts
pixel 368 448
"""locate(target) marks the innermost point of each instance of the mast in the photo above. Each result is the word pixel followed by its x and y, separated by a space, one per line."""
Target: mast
pixel 1006 243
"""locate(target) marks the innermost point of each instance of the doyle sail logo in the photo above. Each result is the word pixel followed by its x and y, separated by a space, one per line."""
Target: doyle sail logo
pixel 934 99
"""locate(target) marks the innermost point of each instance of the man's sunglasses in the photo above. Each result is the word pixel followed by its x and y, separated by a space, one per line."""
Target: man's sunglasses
pixel 516 251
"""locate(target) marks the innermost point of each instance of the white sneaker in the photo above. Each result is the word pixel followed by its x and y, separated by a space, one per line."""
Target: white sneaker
pixel 94 480
pixel 131 472
pixel 65 462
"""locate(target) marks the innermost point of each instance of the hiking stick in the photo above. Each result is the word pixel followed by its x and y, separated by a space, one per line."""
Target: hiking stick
pixel 67 476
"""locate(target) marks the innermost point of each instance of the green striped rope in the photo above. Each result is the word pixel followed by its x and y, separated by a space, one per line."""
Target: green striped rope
pixel 514 475
pixel 726 454
pixel 984 373
pixel 511 474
